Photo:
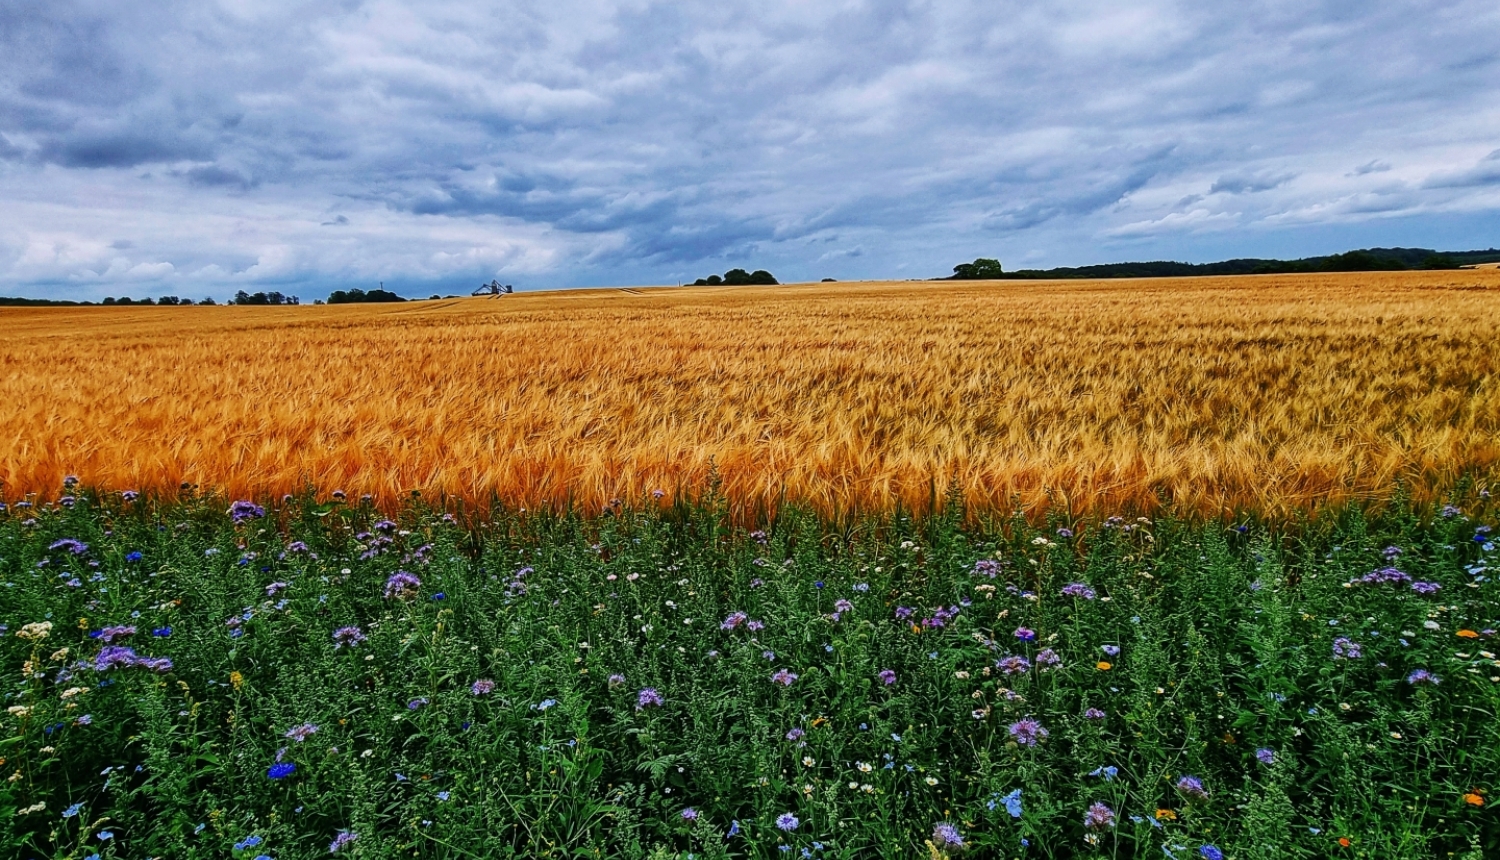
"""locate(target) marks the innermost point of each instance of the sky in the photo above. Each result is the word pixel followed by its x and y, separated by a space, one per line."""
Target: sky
pixel 199 148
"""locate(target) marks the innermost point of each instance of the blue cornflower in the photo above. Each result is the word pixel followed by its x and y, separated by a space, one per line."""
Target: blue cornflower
pixel 72 810
pixel 162 632
pixel 440 596
pixel 787 821
pixel 1012 803
pixel 1211 852
pixel 734 829
pixel 247 842
pixel 443 796
pixel 133 556
pixel 281 770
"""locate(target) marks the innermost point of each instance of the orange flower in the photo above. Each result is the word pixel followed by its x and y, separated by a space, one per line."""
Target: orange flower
pixel 1103 666
pixel 1474 798
pixel 1468 634
pixel 1166 815
pixel 819 721
pixel 1229 738
pixel 1344 841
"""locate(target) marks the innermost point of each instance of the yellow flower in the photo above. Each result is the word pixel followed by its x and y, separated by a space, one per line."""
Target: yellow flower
pixel 236 679
pixel 1166 815
pixel 1103 666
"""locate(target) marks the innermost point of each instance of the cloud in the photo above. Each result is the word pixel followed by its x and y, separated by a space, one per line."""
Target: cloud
pixel 1485 172
pixel 581 141
pixel 1249 183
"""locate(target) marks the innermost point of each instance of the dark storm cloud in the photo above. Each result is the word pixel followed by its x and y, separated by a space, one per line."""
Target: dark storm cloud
pixel 585 142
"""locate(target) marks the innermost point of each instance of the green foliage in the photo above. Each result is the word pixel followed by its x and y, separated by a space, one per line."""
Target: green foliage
pixel 738 278
pixel 1225 641
pixel 356 296
pixel 982 269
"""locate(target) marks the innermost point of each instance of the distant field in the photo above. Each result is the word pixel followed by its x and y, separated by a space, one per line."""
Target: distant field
pixel 1264 392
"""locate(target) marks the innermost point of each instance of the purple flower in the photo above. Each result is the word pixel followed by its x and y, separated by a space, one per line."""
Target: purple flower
pixel 1110 650
pixel 1078 590
pixel 110 634
pixel 343 838
pixel 417 703
pixel 734 620
pixel 945 835
pixel 1099 817
pixel 350 636
pixel 795 734
pixel 482 687
pixel 1027 732
pixel 903 613
pixel 648 698
pixel 1093 714
pixel 842 605
pixel 302 732
pixel 1025 634
pixel 1210 852
pixel 273 588
pixel 1391 552
pixel 244 510
pixel 1422 676
pixel 1192 786
pixel 986 567
pixel 402 585
pixel 75 547
pixel 784 678
pixel 754 626
pixel 112 656
pixel 787 822
pixel 1426 587
pixel 887 677
pixel 1013 665
pixel 1385 574
pixel 1047 657
pixel 281 770
pixel 616 681
pixel 1346 649
pixel 690 814
pixel 1065 532
pixel 1265 755
pixel 130 495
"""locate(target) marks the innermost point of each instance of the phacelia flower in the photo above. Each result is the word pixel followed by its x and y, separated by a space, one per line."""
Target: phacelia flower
pixel 795 734
pixel 1346 649
pixel 945 835
pixel 402 585
pixel 616 681
pixel 417 703
pixel 734 620
pixel 1422 676
pixel 1093 714
pixel 302 732
pixel 350 636
pixel 1099 817
pixel 887 677
pixel 245 510
pixel 648 698
pixel 1013 665
pixel 784 678
pixel 1426 587
pixel 1110 650
pixel 110 634
pixel 842 605
pixel 1027 732
pixel 1046 658
pixel 1265 755
pixel 1192 786
pixel 343 838
pixel 1078 590
pixel 482 687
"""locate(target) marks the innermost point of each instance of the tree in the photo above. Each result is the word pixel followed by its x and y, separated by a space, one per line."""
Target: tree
pixel 982 269
pixel 738 278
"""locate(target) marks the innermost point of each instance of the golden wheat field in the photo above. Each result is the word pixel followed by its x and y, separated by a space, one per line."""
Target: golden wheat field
pixel 1266 392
